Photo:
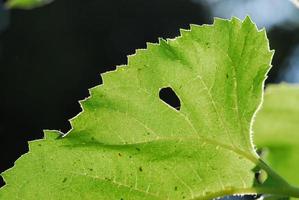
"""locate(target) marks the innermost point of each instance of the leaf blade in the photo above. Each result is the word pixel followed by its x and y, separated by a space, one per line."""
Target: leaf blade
pixel 218 74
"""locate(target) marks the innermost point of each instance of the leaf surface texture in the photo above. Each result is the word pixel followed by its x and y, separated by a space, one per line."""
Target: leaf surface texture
pixel 129 144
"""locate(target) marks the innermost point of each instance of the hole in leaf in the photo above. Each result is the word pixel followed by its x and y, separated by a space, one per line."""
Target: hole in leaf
pixel 169 96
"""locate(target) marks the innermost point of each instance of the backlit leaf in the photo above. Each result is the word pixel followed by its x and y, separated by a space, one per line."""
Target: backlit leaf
pixel 129 144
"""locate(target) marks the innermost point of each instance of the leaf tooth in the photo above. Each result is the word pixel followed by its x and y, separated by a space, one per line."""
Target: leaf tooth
pixel 249 24
pixel 218 20
pixel 185 32
pixel 150 45
pixel 236 20
pixel 161 40
pixel 194 26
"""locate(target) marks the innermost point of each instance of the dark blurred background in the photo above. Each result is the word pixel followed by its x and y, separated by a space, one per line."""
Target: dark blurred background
pixel 50 56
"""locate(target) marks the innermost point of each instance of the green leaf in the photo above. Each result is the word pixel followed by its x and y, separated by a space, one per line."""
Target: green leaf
pixel 129 144
pixel 277 130
pixel 26 4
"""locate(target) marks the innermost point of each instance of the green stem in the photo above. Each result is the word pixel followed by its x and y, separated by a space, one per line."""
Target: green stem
pixel 272 174
pixel 289 191
pixel 282 191
pixel 277 186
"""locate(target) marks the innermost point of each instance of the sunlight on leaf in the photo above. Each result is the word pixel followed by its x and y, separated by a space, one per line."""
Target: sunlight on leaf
pixel 129 143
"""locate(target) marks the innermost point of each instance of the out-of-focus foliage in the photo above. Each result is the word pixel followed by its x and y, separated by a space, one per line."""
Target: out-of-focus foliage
pixel 276 130
pixel 26 4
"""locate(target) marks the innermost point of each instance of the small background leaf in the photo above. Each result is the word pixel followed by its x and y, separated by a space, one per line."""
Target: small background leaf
pixel 26 4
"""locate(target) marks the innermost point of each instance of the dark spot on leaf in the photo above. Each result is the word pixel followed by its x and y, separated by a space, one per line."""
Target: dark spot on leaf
pixel 226 75
pixel 175 188
pixel 119 154
pixel 208 45
pixel 140 169
pixel 130 156
pixel 90 169
pixel 39 145
pixel 137 149
pixel 64 180
pixel 169 97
